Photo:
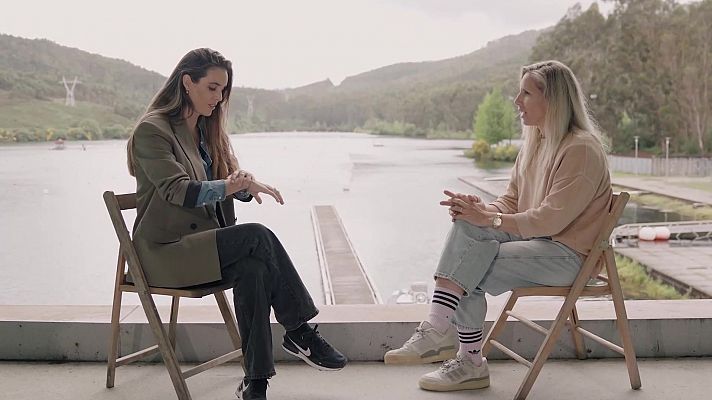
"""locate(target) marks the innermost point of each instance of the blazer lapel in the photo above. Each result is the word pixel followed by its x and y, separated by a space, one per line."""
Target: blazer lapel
pixel 187 143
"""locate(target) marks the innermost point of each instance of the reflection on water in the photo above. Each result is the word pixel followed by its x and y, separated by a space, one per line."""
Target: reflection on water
pixel 635 213
pixel 58 246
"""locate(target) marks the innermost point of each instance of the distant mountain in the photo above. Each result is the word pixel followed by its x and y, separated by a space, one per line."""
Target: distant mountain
pixel 31 73
pixel 431 98
pixel 424 98
pixel 480 65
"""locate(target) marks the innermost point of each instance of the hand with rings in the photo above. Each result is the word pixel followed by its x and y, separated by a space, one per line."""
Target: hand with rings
pixel 466 207
pixel 241 173
pixel 237 181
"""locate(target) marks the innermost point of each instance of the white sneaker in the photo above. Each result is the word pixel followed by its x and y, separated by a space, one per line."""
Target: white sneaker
pixel 458 374
pixel 427 345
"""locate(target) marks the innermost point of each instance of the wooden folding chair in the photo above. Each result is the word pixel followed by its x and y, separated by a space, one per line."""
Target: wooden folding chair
pixel 600 256
pixel 166 340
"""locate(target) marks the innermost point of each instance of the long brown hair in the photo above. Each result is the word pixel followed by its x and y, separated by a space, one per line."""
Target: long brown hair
pixel 172 99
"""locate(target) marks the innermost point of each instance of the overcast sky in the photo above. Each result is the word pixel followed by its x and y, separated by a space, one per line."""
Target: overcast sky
pixel 280 43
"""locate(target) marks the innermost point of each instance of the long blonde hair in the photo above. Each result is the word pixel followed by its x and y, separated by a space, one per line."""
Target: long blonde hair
pixel 172 99
pixel 567 112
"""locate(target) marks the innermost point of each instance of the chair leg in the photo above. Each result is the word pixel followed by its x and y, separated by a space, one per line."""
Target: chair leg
pixel 499 325
pixel 164 345
pixel 113 350
pixel 543 353
pixel 173 321
pixel 577 336
pixel 622 320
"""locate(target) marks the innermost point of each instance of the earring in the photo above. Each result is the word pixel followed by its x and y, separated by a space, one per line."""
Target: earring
pixel 187 91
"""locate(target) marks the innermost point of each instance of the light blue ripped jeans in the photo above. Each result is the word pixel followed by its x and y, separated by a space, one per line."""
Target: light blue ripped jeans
pixel 483 260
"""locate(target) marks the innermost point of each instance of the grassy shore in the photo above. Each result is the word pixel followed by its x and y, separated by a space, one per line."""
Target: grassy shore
pixel 637 284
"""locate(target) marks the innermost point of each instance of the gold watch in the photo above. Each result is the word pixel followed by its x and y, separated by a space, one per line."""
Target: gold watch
pixel 497 220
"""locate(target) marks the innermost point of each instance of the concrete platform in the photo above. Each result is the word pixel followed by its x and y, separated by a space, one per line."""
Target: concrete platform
pixel 662 187
pixel 686 378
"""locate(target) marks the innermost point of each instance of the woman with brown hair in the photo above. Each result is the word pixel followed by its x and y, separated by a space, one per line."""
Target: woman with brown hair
pixel 185 233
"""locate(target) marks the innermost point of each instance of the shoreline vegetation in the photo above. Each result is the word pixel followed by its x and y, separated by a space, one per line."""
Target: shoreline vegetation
pixel 90 130
pixel 637 284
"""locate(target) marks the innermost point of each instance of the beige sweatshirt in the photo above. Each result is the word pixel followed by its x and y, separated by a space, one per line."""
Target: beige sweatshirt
pixel 567 201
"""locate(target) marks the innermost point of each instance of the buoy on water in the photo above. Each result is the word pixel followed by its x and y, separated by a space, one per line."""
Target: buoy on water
pixel 662 233
pixel 657 233
pixel 646 233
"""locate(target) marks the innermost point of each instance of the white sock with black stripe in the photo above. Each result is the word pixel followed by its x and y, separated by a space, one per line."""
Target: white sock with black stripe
pixel 442 308
pixel 470 344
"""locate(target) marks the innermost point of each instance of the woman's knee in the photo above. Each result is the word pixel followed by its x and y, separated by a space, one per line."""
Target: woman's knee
pixel 256 228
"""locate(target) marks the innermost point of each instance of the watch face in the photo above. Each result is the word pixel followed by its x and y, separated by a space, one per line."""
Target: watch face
pixel 497 221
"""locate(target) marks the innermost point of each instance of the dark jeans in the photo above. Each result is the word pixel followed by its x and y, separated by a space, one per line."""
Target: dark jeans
pixel 253 259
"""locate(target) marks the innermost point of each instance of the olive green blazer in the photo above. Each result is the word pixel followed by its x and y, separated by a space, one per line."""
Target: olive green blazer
pixel 175 244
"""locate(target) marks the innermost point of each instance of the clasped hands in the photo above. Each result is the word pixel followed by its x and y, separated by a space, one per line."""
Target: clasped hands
pixel 243 180
pixel 467 207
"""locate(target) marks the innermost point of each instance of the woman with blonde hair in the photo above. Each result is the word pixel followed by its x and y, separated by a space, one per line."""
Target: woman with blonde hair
pixel 536 233
pixel 185 233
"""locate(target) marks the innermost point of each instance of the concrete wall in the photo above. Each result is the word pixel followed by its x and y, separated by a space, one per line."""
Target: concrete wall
pixel 660 329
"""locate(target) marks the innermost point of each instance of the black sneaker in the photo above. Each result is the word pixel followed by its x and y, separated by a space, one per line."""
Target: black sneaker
pixel 314 350
pixel 252 389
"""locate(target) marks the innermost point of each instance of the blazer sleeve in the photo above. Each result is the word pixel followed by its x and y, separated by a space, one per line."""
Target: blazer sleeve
pixel 153 154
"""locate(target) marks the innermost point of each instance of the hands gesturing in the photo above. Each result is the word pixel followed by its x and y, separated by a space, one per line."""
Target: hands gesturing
pixel 255 188
pixel 238 180
pixel 243 180
pixel 467 207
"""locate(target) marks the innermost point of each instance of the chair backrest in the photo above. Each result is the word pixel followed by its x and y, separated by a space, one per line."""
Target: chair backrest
pixel 602 243
pixel 114 205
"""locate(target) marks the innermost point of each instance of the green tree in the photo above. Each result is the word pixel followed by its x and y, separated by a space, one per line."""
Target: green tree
pixel 495 118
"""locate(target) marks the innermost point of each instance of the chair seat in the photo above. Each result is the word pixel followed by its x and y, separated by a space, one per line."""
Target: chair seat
pixel 195 292
pixel 562 291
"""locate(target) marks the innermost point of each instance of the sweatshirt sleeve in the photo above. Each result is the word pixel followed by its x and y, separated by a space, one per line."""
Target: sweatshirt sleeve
pixel 574 186
pixel 508 202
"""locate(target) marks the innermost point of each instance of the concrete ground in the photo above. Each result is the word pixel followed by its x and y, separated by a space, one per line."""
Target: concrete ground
pixel 686 378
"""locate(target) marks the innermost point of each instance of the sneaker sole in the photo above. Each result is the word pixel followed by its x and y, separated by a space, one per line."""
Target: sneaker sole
pixel 473 384
pixel 310 362
pixel 416 359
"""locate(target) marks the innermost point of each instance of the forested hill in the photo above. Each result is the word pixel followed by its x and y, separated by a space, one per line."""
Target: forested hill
pixel 111 92
pixel 418 99
pixel 408 98
pixel 647 67
pixel 480 65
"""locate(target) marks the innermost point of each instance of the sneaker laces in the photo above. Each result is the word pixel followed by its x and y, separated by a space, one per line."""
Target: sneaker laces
pixel 313 337
pixel 419 334
pixel 449 365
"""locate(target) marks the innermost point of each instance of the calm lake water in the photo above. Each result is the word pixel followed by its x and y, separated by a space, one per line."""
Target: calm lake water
pixel 58 246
